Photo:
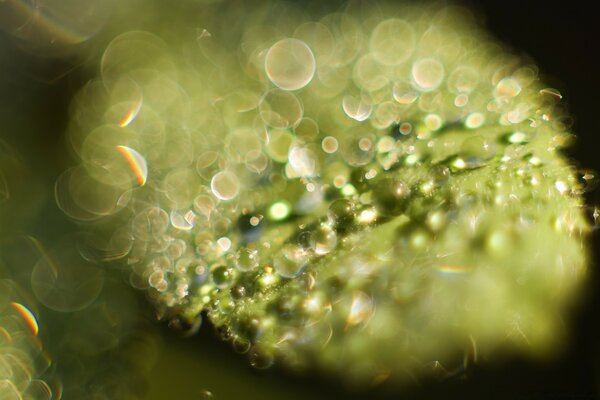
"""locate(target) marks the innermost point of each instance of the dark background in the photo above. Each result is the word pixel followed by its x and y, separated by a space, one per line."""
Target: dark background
pixel 561 38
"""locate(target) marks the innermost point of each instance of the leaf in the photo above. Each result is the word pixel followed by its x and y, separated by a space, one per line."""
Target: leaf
pixel 373 195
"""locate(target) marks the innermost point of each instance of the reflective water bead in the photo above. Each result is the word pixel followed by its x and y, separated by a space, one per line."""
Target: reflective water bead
pixel 356 108
pixel 474 120
pixel 222 276
pixel 507 87
pixel 390 196
pixel 428 73
pixel 342 213
pixel 225 185
pixel 329 144
pixel 518 138
pixel 246 259
pixel 323 240
pixel 290 64
pixel 290 260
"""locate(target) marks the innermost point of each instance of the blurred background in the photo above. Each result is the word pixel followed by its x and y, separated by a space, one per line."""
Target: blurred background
pixel 40 73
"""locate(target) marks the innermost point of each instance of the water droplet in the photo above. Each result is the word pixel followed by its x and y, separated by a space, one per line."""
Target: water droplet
pixel 518 138
pixel 404 93
pixel 433 122
pixel 390 196
pixel 474 120
pixel 329 144
pixel 225 185
pixel 428 73
pixel 358 151
pixel 436 220
pixel 246 259
pixel 323 240
pixel 356 108
pixel 507 87
pixel 290 260
pixel 290 64
pixel 241 346
pixel 184 221
pixel 222 276
pixel 341 212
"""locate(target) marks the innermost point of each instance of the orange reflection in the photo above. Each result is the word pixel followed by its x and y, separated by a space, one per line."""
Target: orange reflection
pixel 27 316
pixel 136 162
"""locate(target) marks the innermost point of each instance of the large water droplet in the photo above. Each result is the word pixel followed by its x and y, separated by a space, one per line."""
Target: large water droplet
pixel 290 260
pixel 246 259
pixel 323 240
pixel 428 73
pixel 225 185
pixel 290 64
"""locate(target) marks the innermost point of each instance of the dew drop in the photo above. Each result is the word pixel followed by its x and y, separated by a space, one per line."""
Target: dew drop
pixel 342 213
pixel 428 73
pixel 184 221
pixel 323 240
pixel 290 260
pixel 474 120
pixel 390 195
pixel 290 64
pixel 507 87
pixel 225 185
pixel 356 108
pixel 518 138
pixel 222 276
pixel 329 144
pixel 246 259
pixel 403 93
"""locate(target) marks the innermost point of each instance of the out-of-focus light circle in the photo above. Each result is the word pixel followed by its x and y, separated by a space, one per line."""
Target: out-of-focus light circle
pixel 290 64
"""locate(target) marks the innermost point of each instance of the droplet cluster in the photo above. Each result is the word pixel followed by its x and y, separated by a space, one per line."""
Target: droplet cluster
pixel 344 189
